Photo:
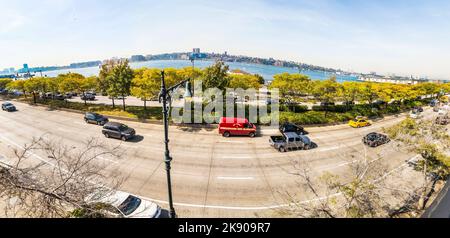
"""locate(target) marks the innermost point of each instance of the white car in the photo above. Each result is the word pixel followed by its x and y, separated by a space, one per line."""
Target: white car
pixel 415 115
pixel 129 206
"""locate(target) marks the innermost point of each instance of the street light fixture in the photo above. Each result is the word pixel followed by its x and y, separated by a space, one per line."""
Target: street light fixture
pixel 166 99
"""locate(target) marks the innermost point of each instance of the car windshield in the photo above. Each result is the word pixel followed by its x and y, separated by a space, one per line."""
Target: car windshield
pixel 97 116
pixel 123 128
pixel 7 104
pixel 129 205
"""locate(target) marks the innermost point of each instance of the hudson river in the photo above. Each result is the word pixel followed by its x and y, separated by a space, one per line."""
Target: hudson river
pixel 264 70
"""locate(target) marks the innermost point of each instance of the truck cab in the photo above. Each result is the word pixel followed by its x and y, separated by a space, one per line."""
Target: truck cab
pixel 236 127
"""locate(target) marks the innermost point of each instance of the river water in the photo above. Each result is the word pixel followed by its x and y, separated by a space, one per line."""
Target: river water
pixel 264 70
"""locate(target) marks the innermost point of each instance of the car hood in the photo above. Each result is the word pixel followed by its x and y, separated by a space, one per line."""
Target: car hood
pixel 129 131
pixel 147 209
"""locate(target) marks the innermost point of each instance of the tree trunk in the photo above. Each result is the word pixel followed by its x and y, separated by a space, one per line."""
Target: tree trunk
pixel 34 97
pixel 123 102
pixel 145 104
pixel 114 105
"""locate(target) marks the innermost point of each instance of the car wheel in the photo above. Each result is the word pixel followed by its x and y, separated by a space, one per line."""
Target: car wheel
pixel 99 123
pixel 226 134
pixel 282 149
pixel 307 147
pixel 252 135
pixel 106 135
pixel 124 138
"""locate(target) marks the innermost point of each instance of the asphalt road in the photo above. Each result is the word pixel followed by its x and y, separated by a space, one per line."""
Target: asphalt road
pixel 212 176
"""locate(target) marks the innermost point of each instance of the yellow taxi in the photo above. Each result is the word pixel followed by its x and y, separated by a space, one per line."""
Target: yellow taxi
pixel 359 122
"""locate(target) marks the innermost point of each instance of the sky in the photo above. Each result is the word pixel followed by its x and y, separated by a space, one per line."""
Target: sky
pixel 403 37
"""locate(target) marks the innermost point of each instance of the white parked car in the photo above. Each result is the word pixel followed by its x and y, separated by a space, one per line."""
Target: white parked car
pixel 415 115
pixel 129 206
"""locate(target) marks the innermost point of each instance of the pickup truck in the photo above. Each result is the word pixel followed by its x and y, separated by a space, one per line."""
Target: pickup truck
pixel 290 141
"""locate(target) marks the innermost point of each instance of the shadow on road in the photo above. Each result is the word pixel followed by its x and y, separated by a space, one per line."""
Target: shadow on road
pixel 136 139
pixel 165 214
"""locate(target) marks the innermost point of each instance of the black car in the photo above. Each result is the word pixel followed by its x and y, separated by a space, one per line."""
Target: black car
pixel 418 109
pixel 289 127
pixel 88 97
pixel 95 118
pixel 327 104
pixel 60 97
pixel 118 131
pixel 376 139
pixel 7 106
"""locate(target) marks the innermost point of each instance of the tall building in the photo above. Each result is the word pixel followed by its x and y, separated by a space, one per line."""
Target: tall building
pixel 196 50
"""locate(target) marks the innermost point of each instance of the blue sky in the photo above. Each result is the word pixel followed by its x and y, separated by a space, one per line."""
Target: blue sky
pixel 387 36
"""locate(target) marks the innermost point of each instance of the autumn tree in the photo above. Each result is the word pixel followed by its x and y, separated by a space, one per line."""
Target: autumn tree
pixel 119 81
pixel 216 76
pixel 146 84
pixel 17 85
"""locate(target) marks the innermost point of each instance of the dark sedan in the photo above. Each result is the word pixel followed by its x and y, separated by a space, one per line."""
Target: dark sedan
pixel 118 131
pixel 88 97
pixel 290 127
pixel 376 139
pixel 95 118
pixel 7 106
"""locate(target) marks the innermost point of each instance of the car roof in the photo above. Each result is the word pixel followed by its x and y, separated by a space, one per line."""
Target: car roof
pixel 113 124
pixel 233 120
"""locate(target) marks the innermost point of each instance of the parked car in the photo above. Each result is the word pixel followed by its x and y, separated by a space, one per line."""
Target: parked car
pixel 88 97
pixel 290 127
pixel 434 103
pixel 95 118
pixel 7 106
pixel 359 122
pixel 68 95
pixel 60 97
pixel 124 205
pixel 290 141
pixel 236 127
pixel 419 109
pixel 118 131
pixel 415 114
pixel 443 120
pixel 326 104
pixel 375 139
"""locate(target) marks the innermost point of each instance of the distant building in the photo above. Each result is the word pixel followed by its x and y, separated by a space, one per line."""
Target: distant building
pixel 196 51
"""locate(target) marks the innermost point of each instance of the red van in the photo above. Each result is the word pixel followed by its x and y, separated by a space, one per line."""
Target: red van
pixel 236 126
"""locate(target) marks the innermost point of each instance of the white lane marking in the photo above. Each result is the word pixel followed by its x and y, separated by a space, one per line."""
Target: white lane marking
pixel 231 142
pixel 337 147
pixel 109 160
pixel 235 178
pixel 235 157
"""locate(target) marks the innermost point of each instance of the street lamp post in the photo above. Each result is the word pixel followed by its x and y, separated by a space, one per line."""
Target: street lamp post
pixel 166 99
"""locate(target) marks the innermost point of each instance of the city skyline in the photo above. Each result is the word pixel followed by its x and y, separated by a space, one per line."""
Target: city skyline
pixel 390 37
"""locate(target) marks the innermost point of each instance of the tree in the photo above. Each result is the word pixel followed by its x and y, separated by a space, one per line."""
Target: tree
pixel 355 196
pixel 4 83
pixel 35 86
pixel 70 82
pixel 17 85
pixel 244 81
pixel 88 84
pixel 292 87
pixel 104 80
pixel 368 92
pixel 216 76
pixel 146 84
pixel 52 189
pixel 326 91
pixel 52 84
pixel 120 80
pixel 350 92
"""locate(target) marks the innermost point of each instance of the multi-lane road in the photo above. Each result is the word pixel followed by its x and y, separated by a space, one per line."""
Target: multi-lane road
pixel 212 176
